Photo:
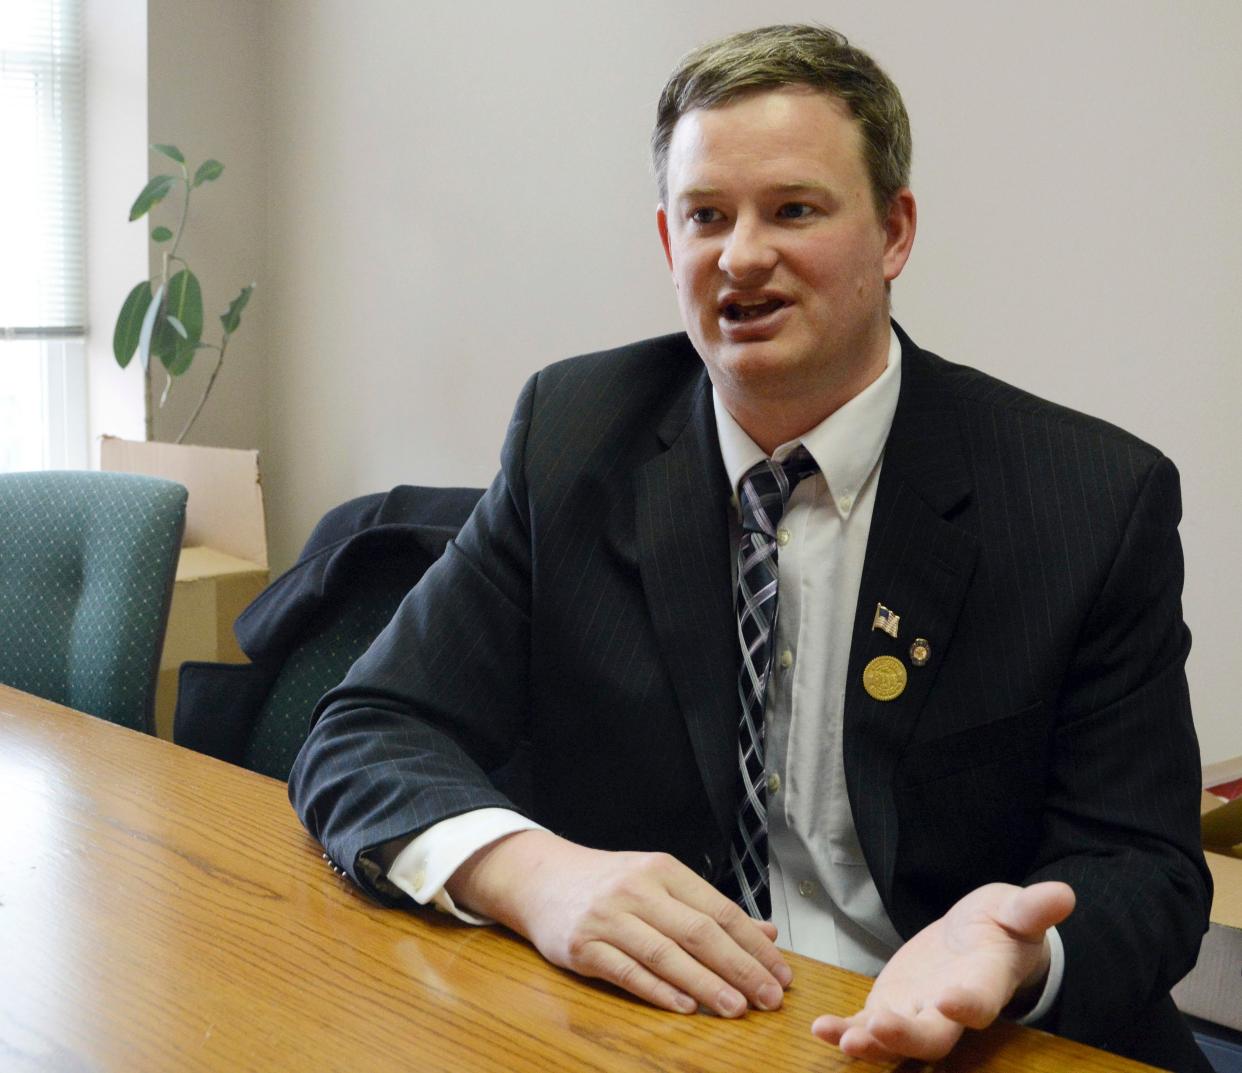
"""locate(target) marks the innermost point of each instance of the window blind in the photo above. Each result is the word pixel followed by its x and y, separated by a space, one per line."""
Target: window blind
pixel 42 255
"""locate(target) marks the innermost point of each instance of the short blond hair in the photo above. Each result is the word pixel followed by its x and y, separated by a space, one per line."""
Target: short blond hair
pixel 796 55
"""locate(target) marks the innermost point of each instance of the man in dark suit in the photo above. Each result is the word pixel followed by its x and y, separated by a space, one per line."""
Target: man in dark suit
pixel 963 752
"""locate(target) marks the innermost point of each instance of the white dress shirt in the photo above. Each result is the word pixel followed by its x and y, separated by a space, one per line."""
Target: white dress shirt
pixel 824 901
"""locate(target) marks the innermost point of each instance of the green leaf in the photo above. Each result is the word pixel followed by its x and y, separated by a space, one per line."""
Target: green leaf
pixel 185 303
pixel 183 309
pixel 148 327
pixel 208 171
pixel 231 317
pixel 129 323
pixel 179 363
pixel 152 194
pixel 161 234
pixel 170 151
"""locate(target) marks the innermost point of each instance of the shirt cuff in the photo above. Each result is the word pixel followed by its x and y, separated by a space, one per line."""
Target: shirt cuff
pixel 1052 985
pixel 423 867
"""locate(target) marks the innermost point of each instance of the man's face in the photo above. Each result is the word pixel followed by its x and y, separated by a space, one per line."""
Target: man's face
pixel 777 251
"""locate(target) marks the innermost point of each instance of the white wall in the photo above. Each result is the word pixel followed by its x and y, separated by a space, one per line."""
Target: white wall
pixel 116 251
pixel 460 194
pixel 462 197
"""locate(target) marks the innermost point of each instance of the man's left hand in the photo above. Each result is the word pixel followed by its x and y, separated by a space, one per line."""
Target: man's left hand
pixel 959 972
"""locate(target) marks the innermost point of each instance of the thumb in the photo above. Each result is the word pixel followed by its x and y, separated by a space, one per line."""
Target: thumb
pixel 1033 910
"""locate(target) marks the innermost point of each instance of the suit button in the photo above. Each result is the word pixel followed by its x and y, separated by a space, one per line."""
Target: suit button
pixel 774 783
pixel 786 660
pixel 806 888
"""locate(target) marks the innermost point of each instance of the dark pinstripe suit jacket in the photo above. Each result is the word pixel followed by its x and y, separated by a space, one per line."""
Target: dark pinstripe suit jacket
pixel 574 654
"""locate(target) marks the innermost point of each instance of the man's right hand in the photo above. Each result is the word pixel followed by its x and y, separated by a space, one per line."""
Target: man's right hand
pixel 642 921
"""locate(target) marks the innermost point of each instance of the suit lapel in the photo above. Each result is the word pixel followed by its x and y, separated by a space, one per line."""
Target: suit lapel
pixel 682 505
pixel 919 565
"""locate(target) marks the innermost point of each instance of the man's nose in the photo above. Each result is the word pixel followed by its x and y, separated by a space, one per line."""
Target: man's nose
pixel 748 251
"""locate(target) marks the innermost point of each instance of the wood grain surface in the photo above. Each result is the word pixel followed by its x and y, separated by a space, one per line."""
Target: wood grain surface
pixel 160 910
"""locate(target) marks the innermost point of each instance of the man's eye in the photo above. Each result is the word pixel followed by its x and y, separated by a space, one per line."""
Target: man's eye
pixel 795 210
pixel 705 216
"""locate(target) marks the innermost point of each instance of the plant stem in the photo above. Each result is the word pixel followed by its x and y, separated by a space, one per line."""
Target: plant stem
pixel 150 404
pixel 206 391
pixel 169 255
pixel 185 212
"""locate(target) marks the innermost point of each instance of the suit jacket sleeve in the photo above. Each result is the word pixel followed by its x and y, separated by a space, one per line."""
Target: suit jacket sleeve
pixel 439 700
pixel 1120 813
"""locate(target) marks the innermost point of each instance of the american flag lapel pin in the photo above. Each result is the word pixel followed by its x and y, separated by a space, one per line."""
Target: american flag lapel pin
pixel 885 620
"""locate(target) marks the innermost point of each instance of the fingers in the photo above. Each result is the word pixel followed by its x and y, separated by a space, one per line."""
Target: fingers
pixel 652 927
pixel 969 1007
pixel 1032 910
pixel 726 949
pixel 991 945
pixel 606 962
pixel 882 1035
pixel 733 931
pixel 829 1027
pixel 928 1035
pixel 756 937
pixel 683 969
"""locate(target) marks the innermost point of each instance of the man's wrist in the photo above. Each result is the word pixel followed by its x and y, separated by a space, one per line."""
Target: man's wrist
pixel 423 867
pixel 488 882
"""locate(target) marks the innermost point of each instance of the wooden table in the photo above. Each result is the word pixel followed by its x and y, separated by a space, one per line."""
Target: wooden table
pixel 160 910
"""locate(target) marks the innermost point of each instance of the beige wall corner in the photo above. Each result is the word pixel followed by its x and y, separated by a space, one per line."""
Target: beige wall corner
pixel 207 94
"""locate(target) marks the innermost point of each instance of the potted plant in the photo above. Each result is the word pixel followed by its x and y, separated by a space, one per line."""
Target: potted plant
pixel 163 317
pixel 223 562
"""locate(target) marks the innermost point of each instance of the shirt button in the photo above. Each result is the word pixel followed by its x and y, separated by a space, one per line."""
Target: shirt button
pixel 774 783
pixel 782 537
pixel 845 502
pixel 786 659
pixel 806 888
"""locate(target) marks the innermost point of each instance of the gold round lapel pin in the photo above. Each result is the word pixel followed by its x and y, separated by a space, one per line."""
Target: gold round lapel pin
pixel 884 678
pixel 920 651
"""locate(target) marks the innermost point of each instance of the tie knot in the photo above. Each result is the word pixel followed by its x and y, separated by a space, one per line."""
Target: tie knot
pixel 766 488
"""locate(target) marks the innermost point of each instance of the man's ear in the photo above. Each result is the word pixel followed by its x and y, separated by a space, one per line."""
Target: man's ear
pixel 900 223
pixel 662 224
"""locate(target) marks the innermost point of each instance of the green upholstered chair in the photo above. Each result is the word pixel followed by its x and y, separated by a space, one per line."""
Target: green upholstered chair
pixel 87 563
pixel 305 630
pixel 314 667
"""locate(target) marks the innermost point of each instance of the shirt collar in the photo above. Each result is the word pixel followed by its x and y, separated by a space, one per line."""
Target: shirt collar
pixel 846 445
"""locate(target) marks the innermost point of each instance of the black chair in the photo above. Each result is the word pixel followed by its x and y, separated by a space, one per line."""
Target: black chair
pixel 305 630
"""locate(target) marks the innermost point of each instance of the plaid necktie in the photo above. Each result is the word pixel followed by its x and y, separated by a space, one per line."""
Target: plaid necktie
pixel 765 492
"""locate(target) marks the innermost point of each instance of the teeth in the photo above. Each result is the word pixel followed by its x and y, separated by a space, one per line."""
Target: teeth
pixel 750 310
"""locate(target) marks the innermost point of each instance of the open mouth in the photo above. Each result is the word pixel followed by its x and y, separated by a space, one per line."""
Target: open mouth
pixel 741 311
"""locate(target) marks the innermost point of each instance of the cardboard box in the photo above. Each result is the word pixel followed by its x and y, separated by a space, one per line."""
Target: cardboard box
pixel 1213 990
pixel 223 563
